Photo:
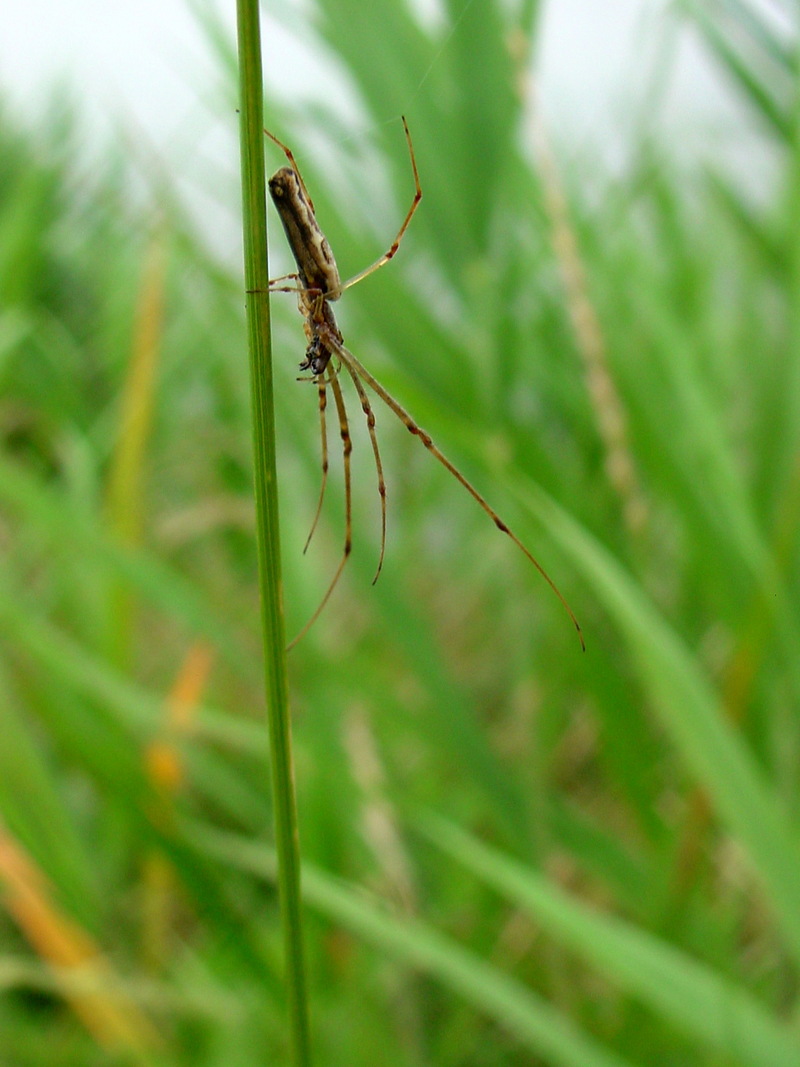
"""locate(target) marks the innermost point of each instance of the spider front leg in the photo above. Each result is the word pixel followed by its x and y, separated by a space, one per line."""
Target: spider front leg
pixel 391 252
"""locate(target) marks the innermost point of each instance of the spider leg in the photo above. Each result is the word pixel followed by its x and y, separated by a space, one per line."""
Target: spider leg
pixel 323 403
pixel 293 162
pixel 347 448
pixel 273 288
pixel 367 409
pixel 284 278
pixel 384 259
pixel 286 288
pixel 354 366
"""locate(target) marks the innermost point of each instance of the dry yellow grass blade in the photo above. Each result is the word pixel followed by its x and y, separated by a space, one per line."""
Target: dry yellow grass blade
pixel 164 763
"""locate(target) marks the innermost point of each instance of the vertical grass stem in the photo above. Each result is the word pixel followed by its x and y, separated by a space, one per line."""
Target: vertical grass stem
pixel 258 326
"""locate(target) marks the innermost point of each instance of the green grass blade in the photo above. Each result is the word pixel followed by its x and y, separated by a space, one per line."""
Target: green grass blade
pixel 744 70
pixel 692 714
pixel 713 1010
pixel 540 1028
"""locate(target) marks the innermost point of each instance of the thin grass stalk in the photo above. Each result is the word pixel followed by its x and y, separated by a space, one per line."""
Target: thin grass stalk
pixel 269 569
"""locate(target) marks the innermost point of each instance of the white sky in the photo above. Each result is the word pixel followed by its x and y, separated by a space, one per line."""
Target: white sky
pixel 592 55
pixel 590 50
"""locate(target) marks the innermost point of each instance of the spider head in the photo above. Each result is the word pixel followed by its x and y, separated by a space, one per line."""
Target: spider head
pixel 317 357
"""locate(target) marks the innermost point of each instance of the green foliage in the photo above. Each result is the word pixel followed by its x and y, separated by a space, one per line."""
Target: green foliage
pixel 516 853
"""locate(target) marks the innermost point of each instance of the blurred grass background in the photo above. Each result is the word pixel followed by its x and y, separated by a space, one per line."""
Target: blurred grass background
pixel 516 853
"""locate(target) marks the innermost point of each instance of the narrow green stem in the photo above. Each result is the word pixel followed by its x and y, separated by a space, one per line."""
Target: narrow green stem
pixel 258 326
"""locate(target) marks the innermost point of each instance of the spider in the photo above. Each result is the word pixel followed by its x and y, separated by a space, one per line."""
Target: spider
pixel 318 285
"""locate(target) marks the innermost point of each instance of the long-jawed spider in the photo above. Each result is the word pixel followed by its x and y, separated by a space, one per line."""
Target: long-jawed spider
pixel 317 284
